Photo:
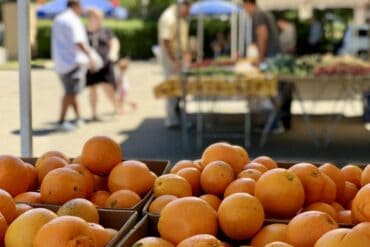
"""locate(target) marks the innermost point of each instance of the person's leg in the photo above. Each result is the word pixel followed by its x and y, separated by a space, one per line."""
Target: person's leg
pixel 111 95
pixel 93 100
pixel 65 104
pixel 74 103
pixel 172 119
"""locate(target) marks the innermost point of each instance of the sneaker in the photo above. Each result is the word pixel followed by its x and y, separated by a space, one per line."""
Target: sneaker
pixel 66 127
pixel 278 130
pixel 171 124
pixel 79 123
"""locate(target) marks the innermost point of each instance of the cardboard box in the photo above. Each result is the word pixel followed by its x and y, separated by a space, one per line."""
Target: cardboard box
pixel 156 166
pixel 122 221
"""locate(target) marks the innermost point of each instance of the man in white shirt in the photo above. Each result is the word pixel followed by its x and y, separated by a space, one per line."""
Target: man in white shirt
pixel 170 45
pixel 71 56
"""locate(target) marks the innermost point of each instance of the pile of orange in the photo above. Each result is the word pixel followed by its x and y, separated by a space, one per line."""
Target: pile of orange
pixel 242 193
pixel 98 174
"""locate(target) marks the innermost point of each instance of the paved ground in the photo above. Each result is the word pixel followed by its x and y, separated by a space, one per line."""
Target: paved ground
pixel 142 134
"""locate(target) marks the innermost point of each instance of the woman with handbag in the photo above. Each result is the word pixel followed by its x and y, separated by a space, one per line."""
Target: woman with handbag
pixel 102 40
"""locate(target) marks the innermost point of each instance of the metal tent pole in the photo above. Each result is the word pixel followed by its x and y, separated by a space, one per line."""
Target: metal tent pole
pixel 24 57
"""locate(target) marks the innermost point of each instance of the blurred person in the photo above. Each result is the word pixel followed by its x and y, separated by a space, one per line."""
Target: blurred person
pixel 123 85
pixel 315 35
pixel 265 33
pixel 101 40
pixel 288 36
pixel 170 45
pixel 221 45
pixel 72 58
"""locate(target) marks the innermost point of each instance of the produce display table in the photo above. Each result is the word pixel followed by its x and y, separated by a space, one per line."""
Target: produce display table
pixel 213 87
pixel 350 86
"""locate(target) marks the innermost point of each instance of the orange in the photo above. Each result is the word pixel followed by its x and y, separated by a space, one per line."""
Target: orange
pixel 266 161
pixel 184 164
pixel 99 198
pixel 333 172
pixel 76 160
pixel 312 179
pixel 200 240
pixel 352 173
pixel 152 242
pixel 21 208
pixel 46 165
pixel 13 175
pixel 343 238
pixel 338 207
pixel 306 228
pixel 350 191
pixel 361 205
pixel 28 197
pixel 87 175
pixel 27 225
pixel 215 177
pixel 322 207
pixel 250 173
pixel 81 208
pixel 32 176
pixel 122 199
pixel 330 190
pixel 269 234
pixel 160 202
pixel 345 217
pixel 100 154
pixel 131 175
pixel 186 217
pixel 7 206
pixel 62 185
pixel 102 236
pixel 192 175
pixel 100 183
pixel 212 200
pixel 172 184
pixel 256 166
pixel 3 229
pixel 245 185
pixel 240 216
pixel 363 227
pixel 71 231
pixel 278 244
pixel 243 153
pixel 235 156
pixel 280 192
pixel 365 176
pixel 52 154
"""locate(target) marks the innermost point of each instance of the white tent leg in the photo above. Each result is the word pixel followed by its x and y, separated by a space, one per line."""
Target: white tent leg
pixel 200 38
pixel 24 57
pixel 234 35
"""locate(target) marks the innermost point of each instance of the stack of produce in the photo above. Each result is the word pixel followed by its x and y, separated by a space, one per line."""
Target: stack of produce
pixel 96 179
pixel 98 175
pixel 342 66
pixel 287 65
pixel 226 192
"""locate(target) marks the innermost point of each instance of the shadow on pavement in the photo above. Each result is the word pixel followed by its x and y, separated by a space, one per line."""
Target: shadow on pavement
pixel 351 142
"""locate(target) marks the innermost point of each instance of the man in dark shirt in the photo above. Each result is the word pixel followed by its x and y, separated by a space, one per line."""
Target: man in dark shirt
pixel 265 33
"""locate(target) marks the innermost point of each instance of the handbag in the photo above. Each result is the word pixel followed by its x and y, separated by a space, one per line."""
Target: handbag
pixel 97 60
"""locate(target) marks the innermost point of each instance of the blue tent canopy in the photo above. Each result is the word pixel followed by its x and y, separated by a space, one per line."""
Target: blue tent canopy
pixel 213 7
pixel 51 9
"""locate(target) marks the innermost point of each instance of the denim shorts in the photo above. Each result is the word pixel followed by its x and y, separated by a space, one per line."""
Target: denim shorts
pixel 74 82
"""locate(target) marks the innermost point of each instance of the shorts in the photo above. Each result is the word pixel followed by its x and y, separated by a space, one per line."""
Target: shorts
pixel 74 82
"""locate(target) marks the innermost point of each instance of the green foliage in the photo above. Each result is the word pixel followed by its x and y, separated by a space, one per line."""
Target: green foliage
pixel 136 37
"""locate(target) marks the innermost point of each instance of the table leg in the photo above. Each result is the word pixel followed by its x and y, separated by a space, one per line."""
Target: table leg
pixel 270 121
pixel 247 125
pixel 307 118
pixel 200 129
